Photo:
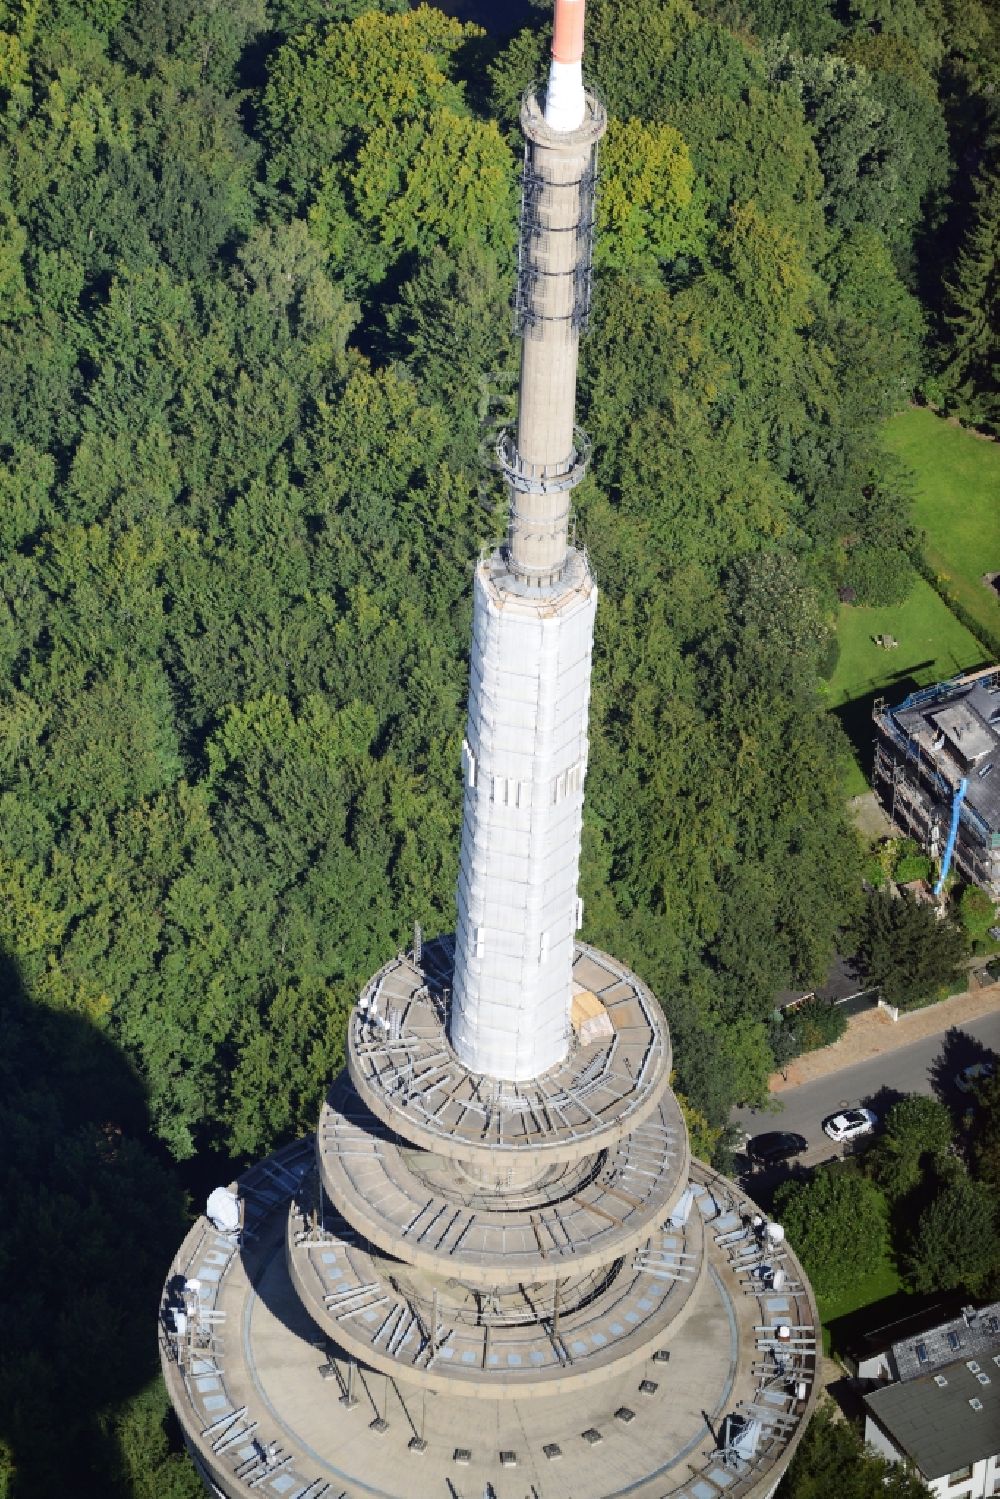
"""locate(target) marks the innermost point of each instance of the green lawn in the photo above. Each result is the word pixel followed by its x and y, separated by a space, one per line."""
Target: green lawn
pixel 958 504
pixel 932 645
pixel 958 509
pixel 882 1283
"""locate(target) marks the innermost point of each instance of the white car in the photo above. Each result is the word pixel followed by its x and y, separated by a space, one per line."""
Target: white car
pixel 978 1072
pixel 849 1125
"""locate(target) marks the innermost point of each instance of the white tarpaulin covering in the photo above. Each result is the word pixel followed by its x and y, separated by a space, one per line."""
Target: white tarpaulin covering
pixel 524 763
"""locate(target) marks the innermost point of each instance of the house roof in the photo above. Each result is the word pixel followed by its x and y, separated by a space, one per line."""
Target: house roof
pixel 957 728
pixel 975 1333
pixel 944 1421
pixel 966 730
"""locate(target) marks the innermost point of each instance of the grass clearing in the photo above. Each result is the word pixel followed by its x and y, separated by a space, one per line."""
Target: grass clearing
pixel 933 645
pixel 879 1285
pixel 958 509
pixel 957 505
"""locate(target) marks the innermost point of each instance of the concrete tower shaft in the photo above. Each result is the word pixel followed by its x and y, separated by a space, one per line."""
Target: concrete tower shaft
pixel 495 1269
pixel 553 303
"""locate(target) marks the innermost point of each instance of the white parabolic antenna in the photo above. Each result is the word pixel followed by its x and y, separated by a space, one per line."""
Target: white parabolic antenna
pixel 775 1233
pixel 223 1208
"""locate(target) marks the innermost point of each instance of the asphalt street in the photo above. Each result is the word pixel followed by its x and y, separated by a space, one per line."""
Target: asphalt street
pixel 926 1066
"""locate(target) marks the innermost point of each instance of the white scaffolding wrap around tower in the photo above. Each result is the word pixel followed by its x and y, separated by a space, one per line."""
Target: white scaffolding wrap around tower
pixel 525 758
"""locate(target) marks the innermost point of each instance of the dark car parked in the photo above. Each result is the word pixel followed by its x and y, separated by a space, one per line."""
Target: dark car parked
pixel 773 1148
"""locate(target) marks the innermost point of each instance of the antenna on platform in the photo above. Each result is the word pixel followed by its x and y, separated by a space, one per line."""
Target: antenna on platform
pixel 740 1440
pixel 223 1210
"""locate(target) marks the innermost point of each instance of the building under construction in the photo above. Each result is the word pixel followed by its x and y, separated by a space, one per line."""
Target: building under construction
pixel 495 1272
pixel 937 773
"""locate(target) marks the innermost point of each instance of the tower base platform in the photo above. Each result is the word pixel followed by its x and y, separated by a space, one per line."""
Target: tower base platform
pixel 270 1401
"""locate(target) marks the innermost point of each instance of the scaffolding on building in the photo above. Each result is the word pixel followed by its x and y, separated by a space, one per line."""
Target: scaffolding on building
pixel 920 788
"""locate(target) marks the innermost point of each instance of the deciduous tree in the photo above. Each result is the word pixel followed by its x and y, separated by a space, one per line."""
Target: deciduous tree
pixel 915 1138
pixel 838 1225
pixel 954 1242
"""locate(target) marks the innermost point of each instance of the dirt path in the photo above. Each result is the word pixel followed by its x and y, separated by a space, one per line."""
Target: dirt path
pixel 871 1034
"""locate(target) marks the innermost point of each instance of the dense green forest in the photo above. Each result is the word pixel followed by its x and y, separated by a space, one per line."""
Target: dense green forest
pixel 256 262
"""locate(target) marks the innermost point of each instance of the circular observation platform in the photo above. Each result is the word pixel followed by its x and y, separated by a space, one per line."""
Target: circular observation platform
pixel 423 1208
pixel 540 133
pixel 408 1075
pixel 503 1344
pixel 268 1403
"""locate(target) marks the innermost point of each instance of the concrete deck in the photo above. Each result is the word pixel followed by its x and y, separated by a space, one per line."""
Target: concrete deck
pixel 261 1393
pixel 422 1206
pixel 501 1344
pixel 404 1068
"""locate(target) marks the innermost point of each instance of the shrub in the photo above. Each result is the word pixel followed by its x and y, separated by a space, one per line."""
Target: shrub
pixel 913 867
pixel 829 656
pixel 820 1024
pixel 976 913
pixel 879 575
pixel 909 862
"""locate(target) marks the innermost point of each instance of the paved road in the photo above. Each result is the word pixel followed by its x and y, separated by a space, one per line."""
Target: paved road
pixel 876 1083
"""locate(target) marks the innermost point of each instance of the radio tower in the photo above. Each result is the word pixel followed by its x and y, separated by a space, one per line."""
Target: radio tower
pixel 525 754
pixel 495 1272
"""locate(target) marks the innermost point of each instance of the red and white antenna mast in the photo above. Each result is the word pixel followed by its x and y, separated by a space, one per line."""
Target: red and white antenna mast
pixel 565 101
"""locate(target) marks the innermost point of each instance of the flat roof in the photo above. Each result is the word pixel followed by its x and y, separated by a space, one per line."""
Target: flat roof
pixel 967 732
pixel 934 1421
pixel 957 728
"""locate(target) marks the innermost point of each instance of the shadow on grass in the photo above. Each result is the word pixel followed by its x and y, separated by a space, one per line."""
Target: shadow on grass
pixel 865 1331
pixel 855 717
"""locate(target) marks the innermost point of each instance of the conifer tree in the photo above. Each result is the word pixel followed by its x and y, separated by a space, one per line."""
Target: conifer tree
pixel 972 369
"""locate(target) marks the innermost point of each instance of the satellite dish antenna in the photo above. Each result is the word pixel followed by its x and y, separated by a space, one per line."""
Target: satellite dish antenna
pixel 775 1233
pixel 778 1279
pixel 783 1332
pixel 223 1208
pixel 193 1287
